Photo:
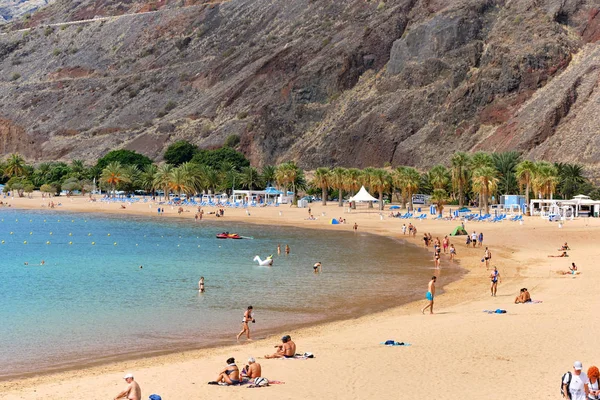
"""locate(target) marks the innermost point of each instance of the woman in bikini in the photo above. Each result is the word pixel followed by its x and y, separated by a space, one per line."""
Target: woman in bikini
pixel 245 319
pixel 230 375
pixel 452 252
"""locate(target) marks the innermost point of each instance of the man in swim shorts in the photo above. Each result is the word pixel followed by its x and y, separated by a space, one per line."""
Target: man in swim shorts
pixel 495 277
pixel 132 390
pixel 317 267
pixel 285 350
pixel 430 295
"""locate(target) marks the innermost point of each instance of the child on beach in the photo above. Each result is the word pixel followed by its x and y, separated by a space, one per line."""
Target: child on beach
pixel 452 252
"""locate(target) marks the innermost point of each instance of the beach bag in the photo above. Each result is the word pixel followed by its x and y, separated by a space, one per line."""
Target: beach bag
pixel 155 397
pixel 562 382
pixel 261 382
pixel 309 355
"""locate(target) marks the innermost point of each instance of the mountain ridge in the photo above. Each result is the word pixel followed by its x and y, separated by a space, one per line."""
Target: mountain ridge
pixel 322 82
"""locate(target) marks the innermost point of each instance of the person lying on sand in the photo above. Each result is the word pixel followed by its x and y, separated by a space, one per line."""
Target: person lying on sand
pixel 564 254
pixel 285 350
pixel 523 297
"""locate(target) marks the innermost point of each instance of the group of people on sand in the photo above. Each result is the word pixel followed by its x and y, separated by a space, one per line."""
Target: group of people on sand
pixel 578 385
pixel 410 229
pixel 474 238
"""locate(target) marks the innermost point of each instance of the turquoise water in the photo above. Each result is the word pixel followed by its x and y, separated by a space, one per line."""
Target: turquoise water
pixel 92 302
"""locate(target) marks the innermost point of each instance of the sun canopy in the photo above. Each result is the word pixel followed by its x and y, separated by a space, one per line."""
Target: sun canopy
pixel 459 231
pixel 363 195
pixel 334 222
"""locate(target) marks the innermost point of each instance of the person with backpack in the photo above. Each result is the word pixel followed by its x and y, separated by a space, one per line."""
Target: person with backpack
pixel 575 384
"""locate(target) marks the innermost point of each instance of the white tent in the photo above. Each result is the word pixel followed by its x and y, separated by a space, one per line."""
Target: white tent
pixel 363 195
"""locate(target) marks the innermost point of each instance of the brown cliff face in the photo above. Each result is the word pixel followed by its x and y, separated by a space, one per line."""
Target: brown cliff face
pixel 324 82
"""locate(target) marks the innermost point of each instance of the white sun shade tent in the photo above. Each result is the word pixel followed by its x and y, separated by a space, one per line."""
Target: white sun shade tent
pixel 363 195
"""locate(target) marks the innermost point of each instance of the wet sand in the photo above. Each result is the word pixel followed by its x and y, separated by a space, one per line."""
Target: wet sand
pixel 459 353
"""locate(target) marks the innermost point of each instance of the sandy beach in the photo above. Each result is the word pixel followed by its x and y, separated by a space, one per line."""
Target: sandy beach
pixel 459 353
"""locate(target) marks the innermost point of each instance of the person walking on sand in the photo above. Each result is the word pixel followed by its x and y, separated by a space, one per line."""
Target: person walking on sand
pixel 474 238
pixel 495 277
pixel 487 256
pixel 132 391
pixel 452 252
pixel 201 284
pixel 430 295
pixel 245 319
pixel 404 229
pixel 577 388
pixel 480 239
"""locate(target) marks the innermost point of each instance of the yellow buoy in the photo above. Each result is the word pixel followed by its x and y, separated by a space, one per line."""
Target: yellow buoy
pixel 48 242
pixel 44 220
pixel 72 220
pixel 177 245
pixel 70 234
pixel 3 242
pixel 31 233
pixel 11 233
pixel 51 233
pixel 59 220
pixel 93 243
pixel 25 242
pixel 70 242
pixel 136 244
pixel 89 234
pixel 30 220
pixel 109 234
pixel 16 220
pixel 115 243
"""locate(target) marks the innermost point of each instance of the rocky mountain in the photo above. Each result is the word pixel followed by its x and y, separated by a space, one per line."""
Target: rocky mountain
pixel 323 82
pixel 11 9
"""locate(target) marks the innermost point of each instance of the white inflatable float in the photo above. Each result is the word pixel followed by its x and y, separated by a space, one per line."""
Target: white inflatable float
pixel 268 262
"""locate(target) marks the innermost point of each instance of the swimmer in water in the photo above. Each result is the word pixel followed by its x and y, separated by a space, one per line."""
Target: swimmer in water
pixel 201 284
pixel 278 249
pixel 287 249
pixel 25 263
pixel 141 266
pixel 317 267
pixel 42 262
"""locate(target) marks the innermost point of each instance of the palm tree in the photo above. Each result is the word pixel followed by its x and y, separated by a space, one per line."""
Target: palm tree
pixel 439 198
pixel 267 174
pixel 485 182
pixel 162 178
pixel 147 178
pixel 181 181
pixel 479 160
pixel 78 169
pixel 545 179
pixel 321 179
pixel 525 171
pixel 460 174
pixel 211 178
pixel 249 178
pixel 15 166
pixel 570 177
pixel 114 174
pixel 408 180
pixel 380 182
pixel 438 177
pixel 352 182
pixel 506 164
pixel 337 181
pixel 288 174
pixel 367 181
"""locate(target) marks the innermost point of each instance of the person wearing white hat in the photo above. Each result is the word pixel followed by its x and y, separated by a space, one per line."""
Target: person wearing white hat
pixel 132 390
pixel 575 385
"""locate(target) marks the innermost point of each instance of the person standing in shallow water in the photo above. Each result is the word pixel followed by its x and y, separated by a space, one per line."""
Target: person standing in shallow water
pixel 201 285
pixel 430 295
pixel 287 249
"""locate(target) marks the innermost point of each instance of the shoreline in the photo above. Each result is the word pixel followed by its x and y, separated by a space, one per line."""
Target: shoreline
pixel 519 252
pixel 323 320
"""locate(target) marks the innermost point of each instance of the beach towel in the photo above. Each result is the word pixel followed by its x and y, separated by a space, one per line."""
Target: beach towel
pixel 497 311
pixel 270 383
pixel 394 343
pixel 533 302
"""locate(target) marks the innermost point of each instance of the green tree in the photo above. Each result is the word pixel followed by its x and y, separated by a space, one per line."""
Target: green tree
pixel 352 182
pixel 214 158
pixel 113 174
pixel 439 177
pixel 288 174
pixel 321 180
pixel 181 181
pixel 47 189
pixel 162 178
pixel 408 180
pixel 525 172
pixel 439 198
pixel 123 157
pixel 485 182
pixel 249 178
pixel 380 182
pixel 545 179
pixel 460 174
pixel 506 165
pixel 337 181
pixel 180 152
pixel 267 174
pixel 14 166
pixel 147 178
pixel 571 179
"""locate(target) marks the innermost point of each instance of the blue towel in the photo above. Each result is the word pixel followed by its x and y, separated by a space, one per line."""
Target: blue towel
pixel 497 311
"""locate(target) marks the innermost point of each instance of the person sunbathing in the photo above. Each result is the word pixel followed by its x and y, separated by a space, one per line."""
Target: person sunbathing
pixel 285 350
pixel 572 270
pixel 564 247
pixel 230 375
pixel 564 254
pixel 523 297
